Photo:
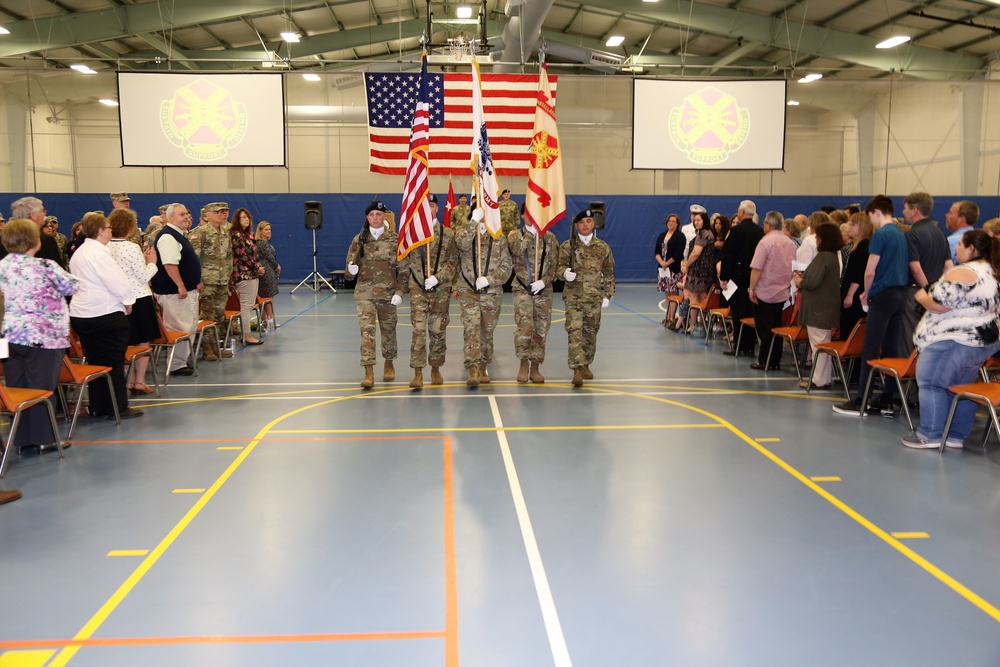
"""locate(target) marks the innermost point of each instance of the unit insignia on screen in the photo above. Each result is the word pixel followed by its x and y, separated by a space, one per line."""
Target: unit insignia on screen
pixel 204 120
pixel 709 126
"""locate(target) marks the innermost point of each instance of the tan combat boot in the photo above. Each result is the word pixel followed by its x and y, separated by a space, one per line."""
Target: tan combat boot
pixel 210 350
pixel 369 380
pixel 436 375
pixel 418 379
pixel 225 352
pixel 587 375
pixel 388 373
pixel 535 374
pixel 522 372
pixel 484 375
pixel 578 377
pixel 473 380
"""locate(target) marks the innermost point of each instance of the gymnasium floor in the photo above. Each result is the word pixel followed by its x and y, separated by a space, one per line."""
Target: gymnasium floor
pixel 681 509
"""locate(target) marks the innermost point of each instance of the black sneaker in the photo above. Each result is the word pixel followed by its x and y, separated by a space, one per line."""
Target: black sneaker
pixel 848 408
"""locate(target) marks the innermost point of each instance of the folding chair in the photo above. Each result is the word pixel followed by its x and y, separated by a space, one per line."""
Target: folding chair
pixel 899 368
pixel 720 314
pixel 15 400
pixel 673 302
pixel 984 393
pixel 133 352
pixel 232 315
pixel 840 350
pixel 79 376
pixel 205 328
pixel 265 314
pixel 167 339
pixel 791 332
pixel 712 300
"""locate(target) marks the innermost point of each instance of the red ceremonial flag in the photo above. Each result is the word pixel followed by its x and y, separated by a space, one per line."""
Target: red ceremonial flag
pixel 508 102
pixel 449 205
pixel 545 201
pixel 417 227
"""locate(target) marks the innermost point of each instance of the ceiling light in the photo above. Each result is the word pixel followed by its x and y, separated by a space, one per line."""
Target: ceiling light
pixel 615 40
pixel 463 12
pixel 4 31
pixel 79 67
pixel 892 41
pixel 309 76
pixel 809 78
pixel 650 0
pixel 793 103
pixel 108 102
pixel 290 37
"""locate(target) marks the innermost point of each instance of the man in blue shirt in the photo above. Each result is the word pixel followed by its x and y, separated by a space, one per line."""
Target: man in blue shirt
pixel 885 297
pixel 960 218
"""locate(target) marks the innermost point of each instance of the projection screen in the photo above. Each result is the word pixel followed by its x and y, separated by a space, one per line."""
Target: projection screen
pixel 201 120
pixel 708 124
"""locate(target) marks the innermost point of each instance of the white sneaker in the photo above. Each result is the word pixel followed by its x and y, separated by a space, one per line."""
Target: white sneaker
pixel 916 442
pixel 954 444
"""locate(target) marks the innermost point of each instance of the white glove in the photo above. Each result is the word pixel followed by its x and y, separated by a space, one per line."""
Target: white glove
pixel 482 282
pixel 396 300
pixel 569 276
pixel 605 302
pixel 431 282
pixel 478 215
pixel 352 268
pixel 482 227
pixel 537 286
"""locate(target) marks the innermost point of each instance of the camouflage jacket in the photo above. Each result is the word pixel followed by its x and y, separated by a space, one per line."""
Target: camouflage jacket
pixel 594 266
pixel 494 262
pixel 522 250
pixel 510 216
pixel 215 251
pixel 460 216
pixel 378 277
pixel 444 261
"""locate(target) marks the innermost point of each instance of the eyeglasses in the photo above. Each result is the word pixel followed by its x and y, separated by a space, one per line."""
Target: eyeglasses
pixel 105 227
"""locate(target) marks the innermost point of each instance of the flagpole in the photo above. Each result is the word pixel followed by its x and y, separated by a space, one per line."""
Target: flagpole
pixel 479 239
pixel 538 237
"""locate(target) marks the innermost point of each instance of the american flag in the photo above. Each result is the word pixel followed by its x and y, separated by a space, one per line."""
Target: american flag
pixel 416 227
pixel 509 104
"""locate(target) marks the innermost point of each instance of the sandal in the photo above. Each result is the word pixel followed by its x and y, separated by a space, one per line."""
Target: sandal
pixel 814 387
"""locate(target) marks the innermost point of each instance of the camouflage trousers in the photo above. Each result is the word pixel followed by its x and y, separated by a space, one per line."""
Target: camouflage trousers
pixel 532 319
pixel 212 305
pixel 429 317
pixel 480 314
pixel 583 321
pixel 384 313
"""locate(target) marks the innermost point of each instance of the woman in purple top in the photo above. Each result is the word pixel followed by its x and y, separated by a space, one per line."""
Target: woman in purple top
pixel 36 324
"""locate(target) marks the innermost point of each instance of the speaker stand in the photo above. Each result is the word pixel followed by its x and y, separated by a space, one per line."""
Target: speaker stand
pixel 315 276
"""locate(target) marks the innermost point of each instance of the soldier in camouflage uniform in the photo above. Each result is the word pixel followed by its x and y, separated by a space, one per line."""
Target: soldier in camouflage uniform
pixel 211 243
pixel 60 238
pixel 588 267
pixel 430 298
pixel 532 294
pixel 509 215
pixel 378 290
pixel 484 268
pixel 122 200
pixel 460 214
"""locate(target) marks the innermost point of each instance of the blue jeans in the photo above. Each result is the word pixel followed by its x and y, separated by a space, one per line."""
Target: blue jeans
pixel 940 366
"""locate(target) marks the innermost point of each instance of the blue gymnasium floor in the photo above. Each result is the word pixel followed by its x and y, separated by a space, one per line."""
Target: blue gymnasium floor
pixel 681 509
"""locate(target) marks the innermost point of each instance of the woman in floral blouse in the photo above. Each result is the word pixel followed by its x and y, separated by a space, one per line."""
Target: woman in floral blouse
pixel 36 324
pixel 246 269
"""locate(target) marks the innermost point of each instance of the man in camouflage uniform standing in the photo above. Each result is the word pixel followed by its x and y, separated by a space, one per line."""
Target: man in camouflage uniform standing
pixel 122 200
pixel 60 238
pixel 430 298
pixel 532 292
pixel 588 267
pixel 509 215
pixel 485 265
pixel 210 241
pixel 460 214
pixel 378 290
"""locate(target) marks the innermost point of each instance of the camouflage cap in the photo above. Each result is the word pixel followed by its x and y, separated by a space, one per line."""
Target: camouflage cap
pixel 119 196
pixel 216 206
pixel 51 218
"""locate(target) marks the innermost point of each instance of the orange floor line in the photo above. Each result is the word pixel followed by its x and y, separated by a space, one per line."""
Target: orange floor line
pixel 450 570
pixel 268 438
pixel 223 639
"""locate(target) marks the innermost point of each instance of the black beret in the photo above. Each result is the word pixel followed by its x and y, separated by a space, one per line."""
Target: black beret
pixel 505 192
pixel 586 213
pixel 433 199
pixel 375 206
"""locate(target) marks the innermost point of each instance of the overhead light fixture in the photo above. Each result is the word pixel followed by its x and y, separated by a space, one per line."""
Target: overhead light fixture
pixel 615 40
pixel 809 78
pixel 892 41
pixel 290 37
pixel 4 31
pixel 82 69
pixel 309 76
pixel 793 103
pixel 108 102
pixel 463 12
pixel 650 0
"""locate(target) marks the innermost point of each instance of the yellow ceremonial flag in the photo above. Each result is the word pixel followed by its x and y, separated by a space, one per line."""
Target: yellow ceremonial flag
pixel 545 202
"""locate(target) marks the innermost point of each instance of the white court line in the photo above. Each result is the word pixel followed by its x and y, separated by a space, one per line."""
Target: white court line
pixel 557 642
pixel 352 383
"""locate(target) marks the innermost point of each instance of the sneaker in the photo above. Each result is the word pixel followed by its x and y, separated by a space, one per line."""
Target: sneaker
pixel 918 442
pixel 847 408
pixel 888 411
pixel 954 444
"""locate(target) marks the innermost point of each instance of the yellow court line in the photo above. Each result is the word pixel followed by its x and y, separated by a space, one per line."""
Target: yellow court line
pixel 768 439
pixel 929 567
pixel 917 535
pixel 229 448
pixel 189 491
pixel 829 478
pixel 25 658
pixel 493 429
pixel 129 552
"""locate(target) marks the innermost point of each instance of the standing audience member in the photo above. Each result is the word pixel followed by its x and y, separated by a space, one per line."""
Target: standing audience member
pixel 820 309
pixel 770 283
pixel 960 218
pixel 372 260
pixel 139 267
pixel 268 257
pixel 737 253
pixel 806 251
pixel 955 337
pixel 688 230
pixel 669 253
pixel 699 267
pixel 992 227
pixel 214 249
pixel 177 282
pixel 247 269
pixel 929 258
pixel 98 314
pixel 31 208
pixel 853 281
pixel 36 324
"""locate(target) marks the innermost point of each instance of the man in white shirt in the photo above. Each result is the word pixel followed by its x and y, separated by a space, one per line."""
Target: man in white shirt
pixel 177 282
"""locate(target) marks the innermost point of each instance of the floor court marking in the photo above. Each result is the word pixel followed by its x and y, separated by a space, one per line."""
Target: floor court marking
pixel 223 639
pixel 490 429
pixel 553 628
